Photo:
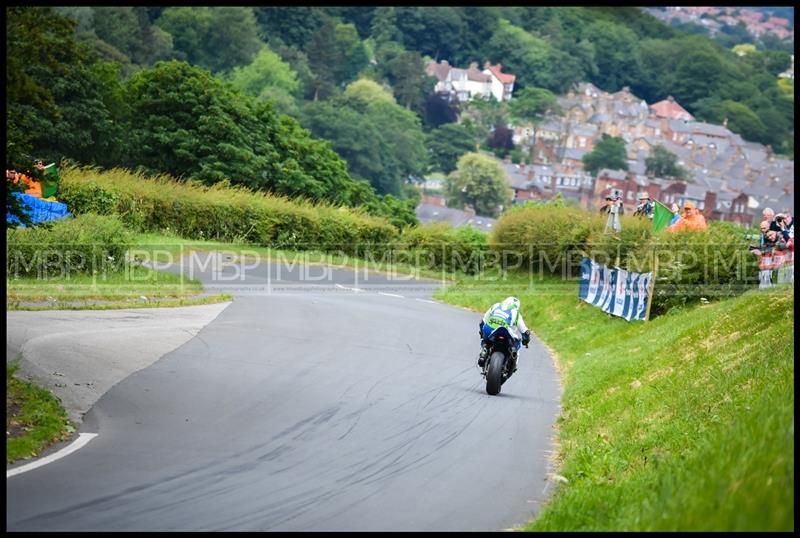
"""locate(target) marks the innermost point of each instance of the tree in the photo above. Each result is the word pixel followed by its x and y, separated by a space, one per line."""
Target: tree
pixel 434 31
pixel 609 152
pixel 486 113
pixel 217 38
pixel 384 26
pixel 381 141
pixel 480 182
pixel 323 57
pixel 530 106
pixel 408 78
pixel 292 26
pixel 351 54
pixel 59 103
pixel 448 143
pixel 501 139
pixel 268 77
pixel 187 123
pixel 522 53
pixel 439 110
pixel 616 58
pixel 664 163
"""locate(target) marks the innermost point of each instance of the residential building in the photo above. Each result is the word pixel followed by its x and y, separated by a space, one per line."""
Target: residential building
pixel 467 84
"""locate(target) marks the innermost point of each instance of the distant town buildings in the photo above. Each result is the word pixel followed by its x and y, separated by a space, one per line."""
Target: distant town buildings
pixel 730 179
pixel 714 18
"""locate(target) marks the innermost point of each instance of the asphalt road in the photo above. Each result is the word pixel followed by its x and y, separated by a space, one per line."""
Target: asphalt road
pixel 306 405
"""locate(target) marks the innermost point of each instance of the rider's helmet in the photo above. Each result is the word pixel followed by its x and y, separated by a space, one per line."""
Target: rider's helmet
pixel 510 303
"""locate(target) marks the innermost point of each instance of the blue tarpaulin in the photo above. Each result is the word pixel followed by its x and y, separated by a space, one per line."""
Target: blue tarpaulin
pixel 39 210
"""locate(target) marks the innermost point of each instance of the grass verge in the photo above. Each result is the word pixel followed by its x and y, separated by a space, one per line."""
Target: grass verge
pixel 168 248
pixel 34 418
pixel 136 287
pixel 677 424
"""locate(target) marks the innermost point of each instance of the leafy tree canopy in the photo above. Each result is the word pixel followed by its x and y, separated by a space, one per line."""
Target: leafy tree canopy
pixel 609 152
pixel 479 181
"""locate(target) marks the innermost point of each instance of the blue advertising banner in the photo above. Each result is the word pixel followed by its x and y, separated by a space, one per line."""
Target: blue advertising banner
pixel 615 291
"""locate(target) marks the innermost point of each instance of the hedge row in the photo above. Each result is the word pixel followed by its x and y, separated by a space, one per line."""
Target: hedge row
pixel 222 212
pixel 692 265
pixel 84 244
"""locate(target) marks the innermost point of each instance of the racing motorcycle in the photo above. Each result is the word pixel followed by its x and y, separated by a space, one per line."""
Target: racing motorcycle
pixel 500 364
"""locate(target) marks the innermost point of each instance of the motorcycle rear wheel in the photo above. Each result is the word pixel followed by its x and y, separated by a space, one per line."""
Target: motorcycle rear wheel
pixel 494 373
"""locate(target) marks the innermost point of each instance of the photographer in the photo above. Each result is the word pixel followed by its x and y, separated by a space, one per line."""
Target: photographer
pixel 613 207
pixel 771 253
pixel 645 207
pixel 613 200
pixel 784 225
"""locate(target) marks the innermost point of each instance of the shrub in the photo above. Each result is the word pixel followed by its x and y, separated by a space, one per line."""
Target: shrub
pixel 84 244
pixel 713 264
pixel 543 238
pixel 440 246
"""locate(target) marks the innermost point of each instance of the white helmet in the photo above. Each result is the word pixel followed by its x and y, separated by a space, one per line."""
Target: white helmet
pixel 510 303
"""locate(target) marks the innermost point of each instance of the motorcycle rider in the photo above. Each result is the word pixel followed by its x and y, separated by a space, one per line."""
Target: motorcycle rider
pixel 504 314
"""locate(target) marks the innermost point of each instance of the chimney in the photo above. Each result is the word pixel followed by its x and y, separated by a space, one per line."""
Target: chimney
pixel 725 122
pixel 670 99
pixel 768 149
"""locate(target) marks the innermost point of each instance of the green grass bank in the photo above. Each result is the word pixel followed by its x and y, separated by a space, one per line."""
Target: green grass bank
pixel 682 423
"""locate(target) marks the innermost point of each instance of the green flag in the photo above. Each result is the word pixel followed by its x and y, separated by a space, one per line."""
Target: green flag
pixel 661 216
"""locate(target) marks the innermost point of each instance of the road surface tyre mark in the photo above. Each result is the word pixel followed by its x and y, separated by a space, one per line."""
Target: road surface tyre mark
pixel 97 503
pixel 269 516
pixel 357 414
pixel 404 446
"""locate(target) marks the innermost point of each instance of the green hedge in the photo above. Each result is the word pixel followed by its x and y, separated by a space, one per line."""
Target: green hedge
pixel 85 244
pixel 222 212
pixel 549 239
pixel 440 246
pixel 692 265
pixel 712 264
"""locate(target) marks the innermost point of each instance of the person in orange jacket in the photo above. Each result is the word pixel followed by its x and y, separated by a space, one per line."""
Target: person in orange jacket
pixel 691 219
pixel 34 188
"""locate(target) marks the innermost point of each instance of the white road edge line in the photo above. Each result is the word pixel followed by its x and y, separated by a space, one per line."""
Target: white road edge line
pixel 391 294
pixel 427 301
pixel 346 288
pixel 67 450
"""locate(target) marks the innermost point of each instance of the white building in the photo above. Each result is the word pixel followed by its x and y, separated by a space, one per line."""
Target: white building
pixel 467 84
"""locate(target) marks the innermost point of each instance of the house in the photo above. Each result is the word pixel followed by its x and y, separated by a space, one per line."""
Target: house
pixel 502 84
pixel 670 109
pixel 627 184
pixel 523 181
pixel 582 136
pixel 467 84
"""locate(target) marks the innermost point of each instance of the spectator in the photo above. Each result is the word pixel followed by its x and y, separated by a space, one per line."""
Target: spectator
pixel 612 199
pixel 676 213
pixel 785 225
pixel 772 256
pixel 613 207
pixel 769 216
pixel 691 219
pixel 645 207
